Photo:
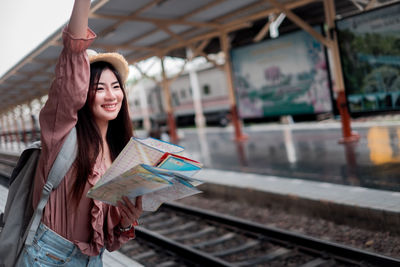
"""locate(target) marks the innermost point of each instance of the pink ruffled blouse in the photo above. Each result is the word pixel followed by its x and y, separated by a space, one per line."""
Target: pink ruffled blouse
pixel 93 225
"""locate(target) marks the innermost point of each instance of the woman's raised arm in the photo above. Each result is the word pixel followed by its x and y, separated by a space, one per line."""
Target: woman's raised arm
pixel 78 22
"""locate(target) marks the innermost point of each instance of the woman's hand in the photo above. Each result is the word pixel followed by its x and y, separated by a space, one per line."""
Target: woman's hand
pixel 129 212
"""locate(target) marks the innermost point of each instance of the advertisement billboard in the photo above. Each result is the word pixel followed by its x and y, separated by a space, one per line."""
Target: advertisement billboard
pixel 283 76
pixel 370 54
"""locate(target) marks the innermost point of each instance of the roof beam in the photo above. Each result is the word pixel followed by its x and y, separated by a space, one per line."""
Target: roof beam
pixel 220 19
pixel 144 74
pixel 176 76
pixel 265 13
pixel 261 34
pixel 201 47
pixel 371 4
pixel 301 23
pixel 198 38
pixel 200 9
pixel 135 13
pixel 146 7
pixel 125 46
pixel 135 39
pixel 190 45
pixel 159 21
pixel 240 11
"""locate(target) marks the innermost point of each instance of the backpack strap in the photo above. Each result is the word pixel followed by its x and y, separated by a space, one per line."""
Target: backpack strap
pixel 60 167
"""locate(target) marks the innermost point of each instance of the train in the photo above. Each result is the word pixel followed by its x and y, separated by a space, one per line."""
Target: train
pixel 146 96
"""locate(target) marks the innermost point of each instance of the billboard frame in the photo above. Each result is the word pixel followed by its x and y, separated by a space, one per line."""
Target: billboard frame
pixel 356 114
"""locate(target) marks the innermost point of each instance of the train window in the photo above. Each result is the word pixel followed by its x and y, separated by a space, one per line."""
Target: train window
pixel 175 99
pixel 183 93
pixel 206 89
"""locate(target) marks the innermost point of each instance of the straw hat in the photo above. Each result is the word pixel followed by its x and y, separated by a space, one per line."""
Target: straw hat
pixel 115 59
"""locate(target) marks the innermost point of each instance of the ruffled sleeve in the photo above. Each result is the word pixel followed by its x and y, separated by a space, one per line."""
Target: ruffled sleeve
pixel 77 45
pixel 67 94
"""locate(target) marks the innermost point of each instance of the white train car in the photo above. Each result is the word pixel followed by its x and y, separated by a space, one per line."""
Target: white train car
pixel 214 99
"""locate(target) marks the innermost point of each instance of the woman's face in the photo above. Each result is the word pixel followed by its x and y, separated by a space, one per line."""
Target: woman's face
pixel 108 98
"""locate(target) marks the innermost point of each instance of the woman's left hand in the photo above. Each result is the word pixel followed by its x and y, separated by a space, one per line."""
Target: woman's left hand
pixel 129 212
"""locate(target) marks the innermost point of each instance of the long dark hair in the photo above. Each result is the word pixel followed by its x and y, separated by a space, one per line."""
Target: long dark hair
pixel 89 138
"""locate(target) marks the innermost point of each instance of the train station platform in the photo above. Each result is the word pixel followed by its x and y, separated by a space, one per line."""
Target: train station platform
pixel 352 205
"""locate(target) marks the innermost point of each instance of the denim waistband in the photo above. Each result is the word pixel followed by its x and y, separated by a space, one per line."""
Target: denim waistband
pixel 54 240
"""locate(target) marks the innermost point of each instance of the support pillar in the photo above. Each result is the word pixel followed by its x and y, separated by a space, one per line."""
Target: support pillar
pixel 144 107
pixel 225 46
pixel 2 136
pixel 196 95
pixel 347 134
pixel 24 136
pixel 9 130
pixel 5 130
pixel 33 125
pixel 16 128
pixel 204 148
pixel 168 106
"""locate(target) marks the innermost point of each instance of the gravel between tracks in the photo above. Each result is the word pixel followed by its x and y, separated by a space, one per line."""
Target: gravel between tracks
pixel 377 242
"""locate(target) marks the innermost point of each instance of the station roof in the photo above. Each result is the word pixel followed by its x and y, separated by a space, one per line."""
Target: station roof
pixel 141 29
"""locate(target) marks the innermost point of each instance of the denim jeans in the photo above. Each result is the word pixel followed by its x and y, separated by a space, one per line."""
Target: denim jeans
pixel 50 249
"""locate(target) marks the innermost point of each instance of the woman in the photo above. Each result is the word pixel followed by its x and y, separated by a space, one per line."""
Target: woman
pixel 88 94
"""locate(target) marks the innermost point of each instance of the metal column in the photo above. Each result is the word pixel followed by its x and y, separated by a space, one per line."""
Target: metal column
pixel 347 134
pixel 225 46
pixel 168 106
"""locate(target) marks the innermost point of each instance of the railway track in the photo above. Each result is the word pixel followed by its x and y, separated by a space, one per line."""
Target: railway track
pixel 178 235
pixel 205 238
